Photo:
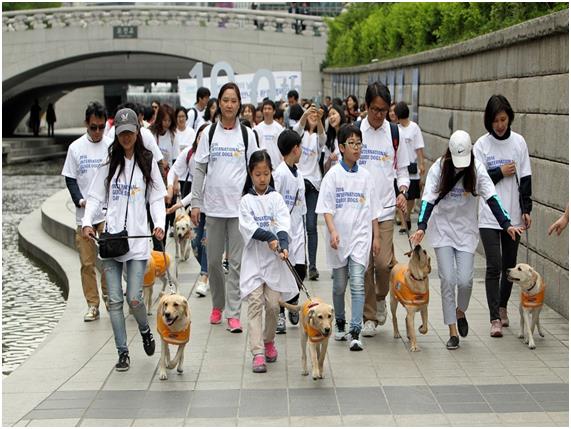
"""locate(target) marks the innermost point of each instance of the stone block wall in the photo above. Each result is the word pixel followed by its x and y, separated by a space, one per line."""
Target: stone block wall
pixel 529 64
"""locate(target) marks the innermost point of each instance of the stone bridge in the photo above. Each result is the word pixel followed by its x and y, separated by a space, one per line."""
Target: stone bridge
pixel 49 52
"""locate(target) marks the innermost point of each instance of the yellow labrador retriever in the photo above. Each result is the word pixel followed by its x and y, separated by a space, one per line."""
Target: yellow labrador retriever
pixel 316 319
pixel 183 234
pixel 157 266
pixel 409 286
pixel 532 295
pixel 173 325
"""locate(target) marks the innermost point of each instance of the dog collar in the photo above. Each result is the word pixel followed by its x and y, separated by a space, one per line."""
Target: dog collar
pixel 532 286
pixel 313 304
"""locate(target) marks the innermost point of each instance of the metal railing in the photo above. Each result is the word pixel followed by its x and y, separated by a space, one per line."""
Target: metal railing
pixel 184 16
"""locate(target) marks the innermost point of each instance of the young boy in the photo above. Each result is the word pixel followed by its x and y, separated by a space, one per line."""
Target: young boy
pixel 351 214
pixel 412 135
pixel 289 183
pixel 268 132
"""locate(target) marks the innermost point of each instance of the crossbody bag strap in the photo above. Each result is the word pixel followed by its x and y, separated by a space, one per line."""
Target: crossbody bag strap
pixel 129 192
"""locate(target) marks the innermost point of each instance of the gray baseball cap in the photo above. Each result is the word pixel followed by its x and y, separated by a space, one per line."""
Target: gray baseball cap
pixel 126 120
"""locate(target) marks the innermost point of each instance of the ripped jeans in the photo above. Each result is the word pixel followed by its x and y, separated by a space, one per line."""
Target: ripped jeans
pixel 135 272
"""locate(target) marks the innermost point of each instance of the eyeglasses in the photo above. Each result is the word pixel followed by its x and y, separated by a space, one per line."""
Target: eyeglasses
pixel 355 144
pixel 377 111
pixel 97 127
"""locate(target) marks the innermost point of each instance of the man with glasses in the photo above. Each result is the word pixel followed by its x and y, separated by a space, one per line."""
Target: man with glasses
pixel 83 158
pixel 384 155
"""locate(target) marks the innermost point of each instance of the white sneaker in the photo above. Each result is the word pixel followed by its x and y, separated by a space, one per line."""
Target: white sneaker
pixel 340 333
pixel 92 314
pixel 381 312
pixel 369 329
pixel 356 345
pixel 201 288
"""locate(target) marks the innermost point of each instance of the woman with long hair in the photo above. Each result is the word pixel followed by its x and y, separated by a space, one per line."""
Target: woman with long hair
pixel 211 111
pixel 184 135
pixel 124 185
pixel 352 109
pixel 332 155
pixel 454 185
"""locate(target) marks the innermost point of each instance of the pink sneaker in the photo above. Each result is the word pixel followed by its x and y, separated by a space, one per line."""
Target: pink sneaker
pixel 271 352
pixel 496 328
pixel 259 363
pixel 234 325
pixel 216 316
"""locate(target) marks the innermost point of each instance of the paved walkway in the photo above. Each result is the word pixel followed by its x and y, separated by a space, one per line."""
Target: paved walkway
pixel 70 380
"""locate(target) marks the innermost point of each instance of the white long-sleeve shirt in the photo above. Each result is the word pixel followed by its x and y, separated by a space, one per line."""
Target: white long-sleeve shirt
pixel 311 148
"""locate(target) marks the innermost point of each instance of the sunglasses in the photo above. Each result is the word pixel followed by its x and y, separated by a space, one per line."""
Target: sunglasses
pixel 97 127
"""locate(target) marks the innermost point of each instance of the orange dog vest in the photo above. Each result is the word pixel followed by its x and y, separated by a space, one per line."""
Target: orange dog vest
pixel 403 292
pixel 533 301
pixel 155 268
pixel 175 338
pixel 313 334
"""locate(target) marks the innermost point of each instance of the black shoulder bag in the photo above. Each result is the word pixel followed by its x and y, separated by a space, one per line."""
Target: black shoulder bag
pixel 113 245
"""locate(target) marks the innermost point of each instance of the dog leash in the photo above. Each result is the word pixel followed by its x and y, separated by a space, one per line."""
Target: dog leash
pixel 526 229
pixel 298 280
pixel 172 290
pixel 405 228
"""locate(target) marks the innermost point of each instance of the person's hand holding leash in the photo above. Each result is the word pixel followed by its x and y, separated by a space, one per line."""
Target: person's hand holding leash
pixel 87 232
pixel 401 203
pixel 273 245
pixel 526 220
pixel 159 233
pixel 284 254
pixel 512 231
pixel 417 237
pixel 174 208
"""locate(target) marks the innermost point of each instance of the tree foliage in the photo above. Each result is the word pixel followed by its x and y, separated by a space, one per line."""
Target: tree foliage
pixel 10 6
pixel 365 31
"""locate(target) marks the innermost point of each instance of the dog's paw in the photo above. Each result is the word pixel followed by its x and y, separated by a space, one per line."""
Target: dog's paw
pixel 541 334
pixel 396 335
pixel 423 330
pixel 414 348
pixel 531 345
pixel 520 335
pixel 163 375
pixel 305 372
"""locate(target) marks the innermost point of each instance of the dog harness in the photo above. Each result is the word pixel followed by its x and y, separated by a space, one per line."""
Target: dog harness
pixel 170 337
pixel 156 267
pixel 312 334
pixel 533 301
pixel 403 292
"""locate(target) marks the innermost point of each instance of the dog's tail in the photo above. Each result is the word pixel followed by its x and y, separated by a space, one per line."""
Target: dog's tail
pixel 290 307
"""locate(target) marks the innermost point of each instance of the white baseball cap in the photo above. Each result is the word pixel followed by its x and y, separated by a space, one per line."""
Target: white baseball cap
pixel 460 146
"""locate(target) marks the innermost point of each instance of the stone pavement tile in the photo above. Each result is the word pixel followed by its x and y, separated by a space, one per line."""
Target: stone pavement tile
pixel 560 396
pixel 54 423
pixel 392 381
pixel 485 380
pixel 504 397
pixel 263 403
pixel 163 422
pixel 411 400
pixel 111 413
pixel 77 385
pixel 21 423
pixel 176 411
pixel 61 404
pixel 447 380
pixel 356 382
pixel 165 385
pixel 54 414
pixel 465 407
pixel 547 387
pixel 362 400
pixel 524 379
pixel 514 407
pixel 86 394
pixel 313 402
pixel 214 403
pixel 369 420
pixel 106 422
pixel 211 422
pixel 263 422
pixel 421 420
pixel 218 385
pixel 298 381
pixel 262 383
pixel 531 371
pixel 166 399
pixel 16 405
pixel 316 421
pixel 523 417
pixel 555 406
pixel 480 419
pixel 559 417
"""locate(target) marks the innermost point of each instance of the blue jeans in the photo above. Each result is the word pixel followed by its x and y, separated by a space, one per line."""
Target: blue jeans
pixel 135 273
pixel 355 272
pixel 198 246
pixel 311 195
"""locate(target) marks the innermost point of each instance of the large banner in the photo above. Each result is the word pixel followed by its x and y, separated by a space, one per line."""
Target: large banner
pixel 254 87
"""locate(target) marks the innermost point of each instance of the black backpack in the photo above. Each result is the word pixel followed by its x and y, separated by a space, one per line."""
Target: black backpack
pixel 394 136
pixel 195 117
pixel 212 130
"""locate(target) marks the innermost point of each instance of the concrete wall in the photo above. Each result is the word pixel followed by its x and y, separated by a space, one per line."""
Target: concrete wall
pixel 529 64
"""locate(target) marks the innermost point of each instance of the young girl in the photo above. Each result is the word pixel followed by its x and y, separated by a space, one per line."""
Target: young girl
pixel 264 222
pixel 312 133
pixel 504 154
pixel 124 185
pixel 454 184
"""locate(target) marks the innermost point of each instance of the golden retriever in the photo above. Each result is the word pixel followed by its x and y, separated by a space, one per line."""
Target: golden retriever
pixel 316 319
pixel 173 325
pixel 409 286
pixel 183 234
pixel 532 289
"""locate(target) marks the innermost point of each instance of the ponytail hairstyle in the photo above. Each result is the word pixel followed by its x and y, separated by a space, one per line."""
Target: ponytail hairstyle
pixel 257 157
pixel 448 174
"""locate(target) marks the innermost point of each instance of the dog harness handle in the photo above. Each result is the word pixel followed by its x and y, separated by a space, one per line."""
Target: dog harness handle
pixel 298 280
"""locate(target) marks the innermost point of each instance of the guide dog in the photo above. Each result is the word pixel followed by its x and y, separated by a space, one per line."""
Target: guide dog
pixel 173 325
pixel 532 294
pixel 409 286
pixel 316 319
pixel 156 268
pixel 183 234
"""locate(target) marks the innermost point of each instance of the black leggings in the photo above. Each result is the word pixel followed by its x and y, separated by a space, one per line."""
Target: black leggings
pixel 501 254
pixel 301 270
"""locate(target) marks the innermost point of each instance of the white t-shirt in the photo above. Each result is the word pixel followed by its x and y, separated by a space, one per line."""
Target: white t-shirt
pixel 311 148
pixel 109 130
pixel 349 198
pixel 226 175
pixel 81 163
pixel 191 122
pixel 454 221
pixel 377 156
pixel 413 140
pixel 150 143
pixel 118 192
pixel 493 153
pixel 268 135
pixel 185 138
pixel 168 146
pixel 259 264
pixel 292 189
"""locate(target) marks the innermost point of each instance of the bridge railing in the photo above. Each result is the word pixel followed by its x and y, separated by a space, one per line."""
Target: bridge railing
pixel 184 16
